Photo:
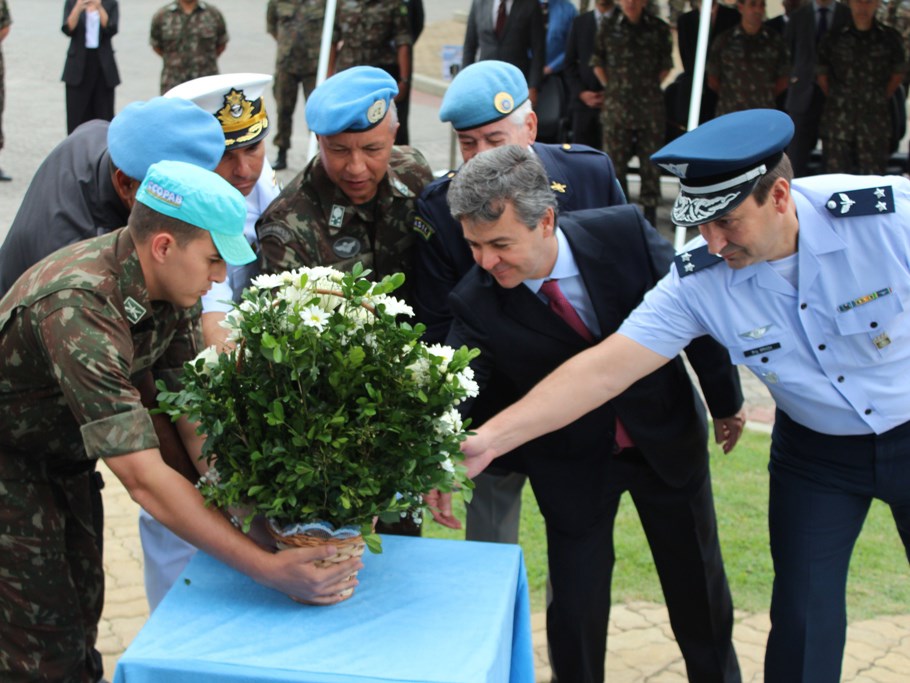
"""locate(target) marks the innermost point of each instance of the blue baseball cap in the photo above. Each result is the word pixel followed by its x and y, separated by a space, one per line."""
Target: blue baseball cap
pixel 483 93
pixel 163 128
pixel 351 101
pixel 720 162
pixel 201 198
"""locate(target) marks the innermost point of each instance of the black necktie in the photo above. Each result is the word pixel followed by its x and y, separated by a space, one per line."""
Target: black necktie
pixel 822 23
pixel 500 19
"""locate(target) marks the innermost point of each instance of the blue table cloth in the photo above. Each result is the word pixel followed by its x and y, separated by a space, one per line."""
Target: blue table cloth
pixel 426 610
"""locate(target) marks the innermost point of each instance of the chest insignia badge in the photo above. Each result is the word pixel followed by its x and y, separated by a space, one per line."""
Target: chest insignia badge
pixel 757 333
pixel 346 247
pixel 881 341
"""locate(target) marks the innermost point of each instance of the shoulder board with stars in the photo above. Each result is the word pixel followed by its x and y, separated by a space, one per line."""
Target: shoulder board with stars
pixel 869 202
pixel 690 262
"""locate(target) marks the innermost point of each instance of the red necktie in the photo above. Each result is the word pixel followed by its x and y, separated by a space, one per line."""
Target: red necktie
pixel 500 19
pixel 562 307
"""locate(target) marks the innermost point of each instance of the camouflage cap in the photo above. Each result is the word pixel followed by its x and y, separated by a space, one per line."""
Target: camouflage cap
pixel 235 100
pixel 483 93
pixel 201 198
pixel 353 100
pixel 148 132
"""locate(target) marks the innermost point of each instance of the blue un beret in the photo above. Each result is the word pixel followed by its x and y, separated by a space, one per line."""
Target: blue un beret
pixel 483 93
pixel 201 198
pixel 163 128
pixel 720 162
pixel 352 100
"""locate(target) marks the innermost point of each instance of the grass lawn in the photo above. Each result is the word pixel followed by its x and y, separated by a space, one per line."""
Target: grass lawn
pixel 879 582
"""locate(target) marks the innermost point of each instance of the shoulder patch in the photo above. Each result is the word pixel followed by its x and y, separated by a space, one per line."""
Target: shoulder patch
pixel 868 202
pixel 690 262
pixel 423 227
pixel 279 232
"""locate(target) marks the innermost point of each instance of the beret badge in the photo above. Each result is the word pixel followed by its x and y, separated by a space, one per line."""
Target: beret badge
pixel 503 102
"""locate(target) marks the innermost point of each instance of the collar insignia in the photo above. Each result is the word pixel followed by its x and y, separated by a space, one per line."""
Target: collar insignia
pixel 134 310
pixel 336 218
pixel 558 187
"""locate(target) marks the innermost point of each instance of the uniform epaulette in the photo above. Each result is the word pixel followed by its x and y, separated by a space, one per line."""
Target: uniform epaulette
pixel 438 183
pixel 578 149
pixel 871 201
pixel 697 259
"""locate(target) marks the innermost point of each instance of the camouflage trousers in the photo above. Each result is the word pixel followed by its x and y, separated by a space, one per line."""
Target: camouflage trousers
pixel 51 578
pixel 624 143
pixel 285 91
pixel 863 155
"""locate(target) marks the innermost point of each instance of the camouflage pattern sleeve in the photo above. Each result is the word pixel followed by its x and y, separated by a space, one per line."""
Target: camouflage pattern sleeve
pixel 89 354
pixel 402 26
pixel 271 19
pixel 5 19
pixel 221 26
pixel 185 346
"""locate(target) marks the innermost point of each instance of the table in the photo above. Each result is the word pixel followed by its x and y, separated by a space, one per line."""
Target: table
pixel 426 610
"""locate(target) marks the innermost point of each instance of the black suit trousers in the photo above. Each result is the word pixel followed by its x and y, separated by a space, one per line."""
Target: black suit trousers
pixel 681 529
pixel 92 98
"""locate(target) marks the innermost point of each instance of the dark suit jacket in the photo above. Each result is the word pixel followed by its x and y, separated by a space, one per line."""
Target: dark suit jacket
pixel 620 257
pixel 799 37
pixel 523 42
pixel 579 48
pixel 74 68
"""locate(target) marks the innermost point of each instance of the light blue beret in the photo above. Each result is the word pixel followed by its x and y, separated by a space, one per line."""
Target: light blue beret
pixel 720 162
pixel 201 198
pixel 351 101
pixel 163 128
pixel 483 93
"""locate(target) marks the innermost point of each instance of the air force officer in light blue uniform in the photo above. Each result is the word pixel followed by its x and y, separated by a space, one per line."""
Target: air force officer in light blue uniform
pixel 807 283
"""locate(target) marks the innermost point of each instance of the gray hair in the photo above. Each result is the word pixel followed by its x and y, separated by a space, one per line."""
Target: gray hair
pixel 510 174
pixel 520 115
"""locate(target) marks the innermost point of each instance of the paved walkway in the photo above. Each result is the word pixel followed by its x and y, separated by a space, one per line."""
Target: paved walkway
pixel 641 646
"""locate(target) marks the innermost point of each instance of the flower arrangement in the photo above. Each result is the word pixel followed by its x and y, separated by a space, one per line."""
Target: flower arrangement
pixel 328 408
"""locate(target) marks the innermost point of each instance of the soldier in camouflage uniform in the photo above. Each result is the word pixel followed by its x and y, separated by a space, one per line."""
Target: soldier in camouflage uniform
pixel 189 35
pixel 376 33
pixel 295 25
pixel 5 22
pixel 896 14
pixel 632 56
pixel 748 65
pixel 76 331
pixel 859 67
pixel 356 201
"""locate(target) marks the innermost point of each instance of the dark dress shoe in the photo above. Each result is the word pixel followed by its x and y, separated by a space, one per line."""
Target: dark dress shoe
pixel 281 162
pixel 3 177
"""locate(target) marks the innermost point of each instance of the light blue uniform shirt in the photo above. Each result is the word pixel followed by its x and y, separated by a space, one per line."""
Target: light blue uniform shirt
pixel 835 354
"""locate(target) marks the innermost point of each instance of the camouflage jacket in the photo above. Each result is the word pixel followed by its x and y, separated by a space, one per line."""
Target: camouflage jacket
pixel 371 32
pixel 189 43
pixel 313 223
pixel 633 57
pixel 747 66
pixel 296 26
pixel 5 19
pixel 859 65
pixel 74 330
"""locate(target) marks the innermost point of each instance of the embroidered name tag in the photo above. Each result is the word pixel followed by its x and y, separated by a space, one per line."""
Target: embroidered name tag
pixel 761 349
pixel 843 308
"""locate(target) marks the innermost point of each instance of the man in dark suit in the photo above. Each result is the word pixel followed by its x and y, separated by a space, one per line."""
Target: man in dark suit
pixel 805 99
pixel 487 105
pixel 90 72
pixel 586 94
pixel 511 31
pixel 650 441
